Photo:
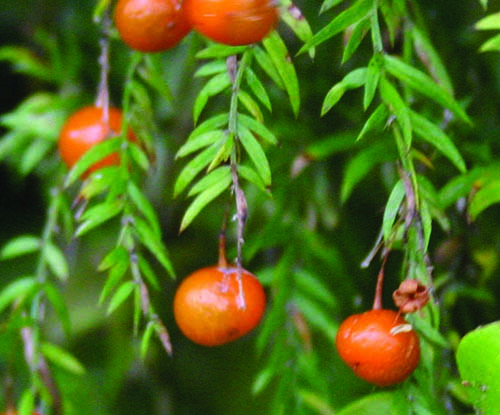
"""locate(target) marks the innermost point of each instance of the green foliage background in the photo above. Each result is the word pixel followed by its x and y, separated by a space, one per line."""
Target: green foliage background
pixel 305 242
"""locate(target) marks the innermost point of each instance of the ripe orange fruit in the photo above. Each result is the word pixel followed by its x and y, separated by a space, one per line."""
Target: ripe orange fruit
pixel 232 22
pixel 210 309
pixel 379 346
pixel 84 129
pixel 151 25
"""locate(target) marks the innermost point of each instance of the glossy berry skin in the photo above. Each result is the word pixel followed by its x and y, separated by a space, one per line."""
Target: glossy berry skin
pixel 365 342
pixel 151 25
pixel 232 22
pixel 208 309
pixel 83 130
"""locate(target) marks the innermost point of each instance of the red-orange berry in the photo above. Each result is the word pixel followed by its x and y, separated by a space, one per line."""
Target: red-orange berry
pixel 213 306
pixel 232 22
pixel 151 25
pixel 84 129
pixel 379 346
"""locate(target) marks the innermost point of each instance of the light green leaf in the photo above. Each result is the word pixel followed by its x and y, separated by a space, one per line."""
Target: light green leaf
pixel 59 304
pixel 62 358
pixel 357 33
pixel 280 57
pixel 491 45
pixel 98 214
pixel 484 198
pixel 266 64
pixel 376 122
pixel 392 208
pixel 438 138
pixel 345 19
pixel 250 104
pixel 35 153
pixel 154 245
pixel 258 128
pixel 24 61
pixel 256 154
pixel 203 199
pixel 491 22
pixel 224 152
pixel 214 86
pixel 92 156
pixel 27 402
pixel 352 80
pixel 211 124
pixel 422 83
pixel 296 21
pixel 144 206
pixel 19 246
pixel 146 339
pixel 121 294
pixel 116 273
pixel 115 256
pixel 220 51
pixel 257 88
pixel 138 155
pixel 372 77
pixel 372 404
pixel 148 272
pixel 190 171
pixel 56 261
pixel 101 180
pixel 17 290
pixel 328 4
pixel 200 141
pixel 425 215
pixel 248 173
pixel 211 68
pixel 215 176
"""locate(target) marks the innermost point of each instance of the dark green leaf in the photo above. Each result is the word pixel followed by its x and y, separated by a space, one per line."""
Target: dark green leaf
pixel 203 199
pixel 280 57
pixel 311 284
pixel 24 61
pixel 352 80
pixel 330 145
pixel 58 303
pixel 154 77
pixel 19 246
pixel 422 83
pixel 144 206
pixel 437 137
pixel 317 316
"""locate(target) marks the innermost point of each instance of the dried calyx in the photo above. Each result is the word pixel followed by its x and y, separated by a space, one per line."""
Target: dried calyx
pixel 411 296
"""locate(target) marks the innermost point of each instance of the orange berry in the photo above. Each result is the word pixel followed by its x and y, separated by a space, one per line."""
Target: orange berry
pixel 379 346
pixel 232 22
pixel 210 309
pixel 151 25
pixel 84 129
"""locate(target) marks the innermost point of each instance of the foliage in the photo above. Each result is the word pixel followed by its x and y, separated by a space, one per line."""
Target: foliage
pixel 358 132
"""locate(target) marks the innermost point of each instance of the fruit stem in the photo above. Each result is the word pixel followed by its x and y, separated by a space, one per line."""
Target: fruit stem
pixel 222 249
pixel 102 100
pixel 377 302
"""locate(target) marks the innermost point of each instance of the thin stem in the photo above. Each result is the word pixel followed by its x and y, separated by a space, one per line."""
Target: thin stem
pixel 377 302
pixel 102 99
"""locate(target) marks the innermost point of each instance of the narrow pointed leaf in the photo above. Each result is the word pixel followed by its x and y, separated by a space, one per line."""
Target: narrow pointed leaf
pixel 121 295
pixel 200 141
pixel 62 358
pixel 484 198
pixel 144 206
pixel 19 246
pixel 220 174
pixel 257 88
pixel 99 214
pixel 258 128
pixel 17 290
pixel 56 261
pixel 392 208
pixel 256 154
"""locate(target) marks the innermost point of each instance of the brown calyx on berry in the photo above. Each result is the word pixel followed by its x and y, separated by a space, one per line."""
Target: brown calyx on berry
pixel 411 296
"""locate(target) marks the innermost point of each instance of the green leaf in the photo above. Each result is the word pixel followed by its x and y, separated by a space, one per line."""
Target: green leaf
pixel 372 77
pixel 121 294
pixel 491 45
pixel 101 180
pixel 208 125
pixel 214 86
pixel 422 83
pixel 211 68
pixel 138 155
pixel 148 272
pixel 310 284
pixel 224 152
pixel 146 339
pixel 200 141
pixel 116 273
pixel 266 64
pixel 144 206
pixel 425 328
pixel 491 22
pixel 484 198
pixel 478 360
pixel 248 173
pixel 352 80
pixel 203 199
pixel 250 104
pixel 258 128
pixel 62 358
pixel 17 290
pixel 220 174
pixel 358 167
pixel 437 137
pixel 392 208
pixel 58 303
pixel 92 156
pixel 395 103
pixel 191 170
pixel 116 255
pixel 348 17
pixel 24 61
pixel 220 51
pixel 98 214
pixel 316 315
pixel 27 402
pixel 425 215
pixel 330 145
pixel 56 261
pixel 35 153
pixel 373 404
pixel 376 122
pixel 19 246
pixel 257 88
pixel 356 35
pixel 262 380
pixel 256 154
pixel 153 75
pixel 280 57
pixel 154 245
pixel 296 21
pixel 328 4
